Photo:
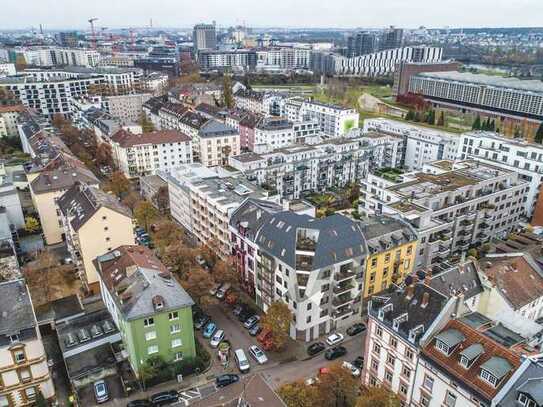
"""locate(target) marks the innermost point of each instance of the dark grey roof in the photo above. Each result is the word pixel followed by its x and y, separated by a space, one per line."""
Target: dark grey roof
pixel 460 279
pixel 499 367
pixel 15 307
pixel 472 351
pixel 451 337
pixel 533 387
pixel 504 335
pixel 529 382
pixel 337 238
pixel 384 232
pixel 476 320
pixel 252 214
pixel 214 128
pixel 62 178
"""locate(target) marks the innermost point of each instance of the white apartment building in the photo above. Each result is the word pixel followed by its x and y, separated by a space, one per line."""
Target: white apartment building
pixel 272 133
pixel 9 115
pixel 513 154
pixel 217 142
pixel 169 116
pixel 7 69
pixel 125 107
pixel 283 58
pixel 421 144
pixel 251 101
pixel 203 199
pixel 452 205
pixel 51 56
pixel 145 154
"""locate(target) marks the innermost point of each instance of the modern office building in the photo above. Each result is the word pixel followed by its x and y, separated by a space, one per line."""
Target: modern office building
pixel 204 37
pixel 404 71
pixel 238 60
pixel 391 38
pixel 361 43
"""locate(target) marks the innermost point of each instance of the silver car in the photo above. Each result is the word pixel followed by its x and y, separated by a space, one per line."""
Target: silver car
pixel 258 354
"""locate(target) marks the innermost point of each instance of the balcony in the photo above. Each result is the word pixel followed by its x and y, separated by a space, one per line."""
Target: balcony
pixel 342 300
pixel 443 251
pixel 343 288
pixel 484 226
pixel 471 216
pixel 344 275
pixel 462 245
pixel 341 313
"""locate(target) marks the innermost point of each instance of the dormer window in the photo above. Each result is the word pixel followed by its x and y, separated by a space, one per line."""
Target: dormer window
pixel 397 321
pixel 448 340
pixel 525 401
pixel 443 347
pixel 14 338
pixel 489 377
pixel 470 354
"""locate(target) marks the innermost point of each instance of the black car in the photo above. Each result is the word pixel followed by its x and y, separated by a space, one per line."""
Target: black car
pixel 315 348
pixel 201 321
pixel 226 379
pixel 164 398
pixel 356 329
pixel 245 315
pixel 334 353
pixel 139 403
pixel 358 362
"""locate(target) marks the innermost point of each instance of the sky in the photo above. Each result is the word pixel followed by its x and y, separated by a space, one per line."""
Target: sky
pixel 60 14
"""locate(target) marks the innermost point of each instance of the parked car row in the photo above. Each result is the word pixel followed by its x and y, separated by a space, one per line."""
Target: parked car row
pixel 159 399
pixel 142 237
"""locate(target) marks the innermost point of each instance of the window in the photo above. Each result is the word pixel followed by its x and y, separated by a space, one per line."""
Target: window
pixel 149 336
pixel 489 377
pixel 442 347
pixel 176 343
pixel 387 257
pixel 428 383
pixel 104 217
pixel 403 389
pixel 152 349
pixel 374 262
pixel 522 399
pixel 379 332
pixel 409 354
pixel 24 375
pixel 30 393
pixel 178 356
pixel 374 364
pixel 308 319
pixel 388 376
pixel 4 402
pixel 376 348
pixel 406 372
pixel 390 359
pixel 19 356
pixel 175 328
pixel 393 343
pixel 14 338
pixel 424 400
pixel 148 322
pixel 450 399
pixel 172 316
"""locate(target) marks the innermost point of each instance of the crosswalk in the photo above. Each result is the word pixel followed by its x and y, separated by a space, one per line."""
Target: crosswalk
pixel 187 396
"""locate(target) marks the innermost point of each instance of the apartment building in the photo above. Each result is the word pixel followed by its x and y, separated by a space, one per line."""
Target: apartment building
pixel 420 144
pixel 452 205
pixel 524 386
pixel 272 133
pixel 23 362
pixel 315 266
pixel 94 222
pixel 250 101
pixel 238 60
pixel 216 142
pixel 151 310
pixel 51 56
pixel 169 116
pixel 104 125
pixel 146 154
pixel 392 249
pixel 9 115
pixel 125 107
pixel 516 155
pixel 203 199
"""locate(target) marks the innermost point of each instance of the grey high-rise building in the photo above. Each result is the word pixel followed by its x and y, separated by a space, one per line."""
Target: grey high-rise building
pixel 204 37
pixel 68 39
pixel 361 43
pixel 391 39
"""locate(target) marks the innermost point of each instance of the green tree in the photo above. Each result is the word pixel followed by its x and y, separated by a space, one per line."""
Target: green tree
pixel 31 224
pixel 277 320
pixel 539 134
pixel 40 400
pixel 299 394
pixel 146 125
pixel 441 119
pixel 145 214
pixel 337 387
pixel 227 91
pixel 476 123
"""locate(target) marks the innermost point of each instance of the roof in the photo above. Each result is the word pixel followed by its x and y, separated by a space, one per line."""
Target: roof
pixel 193 119
pixel 519 279
pixel 533 387
pixel 529 382
pixel 11 108
pixel 384 232
pixel 127 139
pixel 81 202
pixel 496 358
pixel 214 128
pixel 16 308
pixel 459 279
pixel 62 178
pixel 137 281
pixel 252 214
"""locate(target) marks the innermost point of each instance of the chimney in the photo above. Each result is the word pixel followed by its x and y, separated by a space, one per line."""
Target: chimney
pixel 425 300
pixel 428 277
pixel 410 291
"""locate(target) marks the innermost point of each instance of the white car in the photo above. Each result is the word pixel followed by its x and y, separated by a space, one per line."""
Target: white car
pixel 354 371
pixel 258 354
pixel 334 339
pixel 217 338
pixel 213 290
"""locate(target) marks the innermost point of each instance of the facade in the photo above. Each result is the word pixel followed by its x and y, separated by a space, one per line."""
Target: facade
pixel 391 38
pixel 361 43
pixel 451 205
pixel 23 362
pixel 272 133
pixel 94 222
pixel 315 266
pixel 58 56
pixel 151 310
pixel 250 101
pixel 237 60
pixel 7 69
pixel 125 107
pixel 515 155
pixel 204 37
pixel 420 144
pixel 404 71
pixel 216 142
pixel 146 154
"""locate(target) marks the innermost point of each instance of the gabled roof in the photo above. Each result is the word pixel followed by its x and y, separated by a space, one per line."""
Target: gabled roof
pixel 459 279
pixel 534 388
pixel 450 337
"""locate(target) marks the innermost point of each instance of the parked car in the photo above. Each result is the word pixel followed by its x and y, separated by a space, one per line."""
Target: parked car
pixel 335 352
pixel 164 397
pixel 358 362
pixel 221 292
pixel 201 321
pixel 245 314
pixel 226 379
pixel 356 329
pixel 213 290
pixel 242 361
pixel 255 330
pixel 315 348
pixel 238 309
pixel 349 366
pixel 209 330
pixel 217 338
pixel 139 403
pixel 334 339
pixel 258 354
pixel 101 392
pixel 251 321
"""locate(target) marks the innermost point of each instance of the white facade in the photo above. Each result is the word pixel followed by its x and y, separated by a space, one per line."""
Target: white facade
pixel 125 107
pixel 271 134
pixel 7 69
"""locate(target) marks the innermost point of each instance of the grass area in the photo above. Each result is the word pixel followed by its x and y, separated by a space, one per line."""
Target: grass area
pixel 391 174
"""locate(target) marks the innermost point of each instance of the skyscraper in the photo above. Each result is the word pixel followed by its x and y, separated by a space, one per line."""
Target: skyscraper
pixel 204 37
pixel 361 43
pixel 391 39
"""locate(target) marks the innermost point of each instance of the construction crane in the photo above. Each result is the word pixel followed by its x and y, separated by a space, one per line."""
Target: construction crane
pixel 93 34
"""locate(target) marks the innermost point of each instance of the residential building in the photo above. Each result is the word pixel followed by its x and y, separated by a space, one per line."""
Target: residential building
pixel 251 101
pixel 524 387
pixel 216 142
pixel 7 69
pixel 516 155
pixel 314 265
pixel 149 307
pixel 391 38
pixel 155 83
pixel 128 108
pixel 23 361
pixel 392 249
pixel 9 115
pixel 202 200
pixel 58 56
pixel 146 154
pixel 272 133
pixel 420 144
pixel 151 188
pixel 104 125
pixel 452 205
pixel 404 71
pixel 237 60
pixel 94 222
pixel 361 43
pixel 204 37
pixel 169 116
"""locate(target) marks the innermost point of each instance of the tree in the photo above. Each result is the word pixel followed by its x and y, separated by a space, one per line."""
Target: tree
pixel 146 125
pixel 198 284
pixel 473 253
pixel 299 394
pixel 539 134
pixel 476 123
pixel 227 91
pixel 209 252
pixel 104 155
pixel 145 213
pixel 118 184
pixel 179 258
pixel 277 320
pixel 441 120
pixel 31 224
pixel 40 400
pixel 378 397
pixel 151 368
pixel 166 234
pixel 224 272
pixel 162 199
pixel 337 387
pixel 132 200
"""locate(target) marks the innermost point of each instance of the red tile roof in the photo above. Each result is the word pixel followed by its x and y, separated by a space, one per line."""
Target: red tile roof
pixel 127 139
pixel 11 108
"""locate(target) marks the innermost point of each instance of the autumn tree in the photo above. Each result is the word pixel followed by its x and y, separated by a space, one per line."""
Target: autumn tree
pixel 146 125
pixel 166 234
pixel 118 184
pixel 104 155
pixel 145 213
pixel 337 387
pixel 277 320
pixel 225 272
pixel 227 91
pixel 162 199
pixel 378 397
pixel 132 199
pixel 31 224
pixel 179 258
pixel 209 252
pixel 539 134
pixel 198 283
pixel 299 394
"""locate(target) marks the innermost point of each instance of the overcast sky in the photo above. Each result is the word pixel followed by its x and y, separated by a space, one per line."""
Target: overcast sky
pixel 55 14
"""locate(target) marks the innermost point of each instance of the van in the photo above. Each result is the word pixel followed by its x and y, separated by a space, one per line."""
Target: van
pixel 242 361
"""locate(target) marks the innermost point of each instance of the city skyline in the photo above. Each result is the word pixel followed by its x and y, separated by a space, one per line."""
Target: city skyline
pixel 168 13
